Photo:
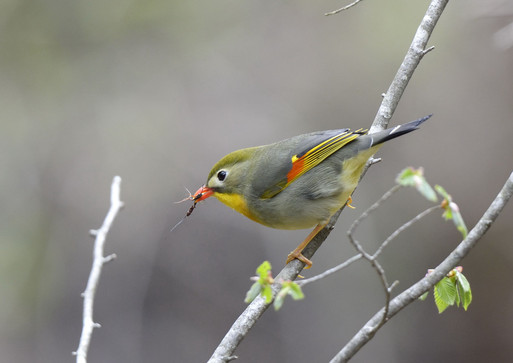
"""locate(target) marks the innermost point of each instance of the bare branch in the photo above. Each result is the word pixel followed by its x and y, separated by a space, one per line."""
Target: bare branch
pixel 374 263
pixel 415 291
pixel 412 59
pixel 427 50
pixel 94 277
pixel 343 8
pixel 331 271
pixel 373 258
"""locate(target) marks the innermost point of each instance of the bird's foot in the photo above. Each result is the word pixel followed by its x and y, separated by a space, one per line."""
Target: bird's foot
pixel 348 203
pixel 298 255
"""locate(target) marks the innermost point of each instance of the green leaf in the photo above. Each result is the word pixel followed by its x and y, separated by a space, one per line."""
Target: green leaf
pixel 280 298
pixel 405 177
pixel 458 220
pixel 262 284
pixel 447 290
pixel 264 269
pixel 445 293
pixel 295 291
pixel 424 296
pixel 453 290
pixel 459 293
pixel 467 300
pixel 415 178
pixel 442 192
pixel 464 289
pixel 428 192
pixel 440 303
pixel 288 288
pixel 253 292
pixel 462 280
pixel 267 293
pixel 452 211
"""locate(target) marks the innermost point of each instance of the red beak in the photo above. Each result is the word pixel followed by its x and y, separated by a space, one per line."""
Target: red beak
pixel 202 193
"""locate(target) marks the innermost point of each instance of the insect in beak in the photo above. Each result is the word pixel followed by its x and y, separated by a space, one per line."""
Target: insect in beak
pixel 201 194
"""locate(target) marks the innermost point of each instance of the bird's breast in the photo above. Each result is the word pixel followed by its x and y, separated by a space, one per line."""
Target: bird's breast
pixel 236 202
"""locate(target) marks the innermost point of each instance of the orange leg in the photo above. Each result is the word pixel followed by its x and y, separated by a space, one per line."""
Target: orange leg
pixel 297 252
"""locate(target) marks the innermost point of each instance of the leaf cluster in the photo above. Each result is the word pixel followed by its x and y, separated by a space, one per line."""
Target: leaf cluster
pixel 453 289
pixel 263 286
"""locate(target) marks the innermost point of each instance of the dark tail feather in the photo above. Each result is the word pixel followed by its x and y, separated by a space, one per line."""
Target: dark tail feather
pixel 391 133
pixel 416 123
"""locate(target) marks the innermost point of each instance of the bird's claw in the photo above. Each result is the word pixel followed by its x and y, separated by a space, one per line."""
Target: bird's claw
pixel 298 255
pixel 348 203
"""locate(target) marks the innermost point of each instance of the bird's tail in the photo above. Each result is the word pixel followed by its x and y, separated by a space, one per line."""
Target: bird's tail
pixel 391 133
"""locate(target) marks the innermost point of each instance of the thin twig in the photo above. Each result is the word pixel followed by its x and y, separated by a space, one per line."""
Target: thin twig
pixel 408 224
pixel 379 270
pixel 386 288
pixel 99 260
pixel 373 258
pixel 343 8
pixel 372 208
pixel 416 290
pixel 331 271
pixel 415 53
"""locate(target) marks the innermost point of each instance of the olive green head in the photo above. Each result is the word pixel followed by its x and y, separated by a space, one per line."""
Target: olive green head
pixel 229 175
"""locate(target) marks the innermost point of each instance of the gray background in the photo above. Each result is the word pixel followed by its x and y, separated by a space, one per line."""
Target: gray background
pixel 156 92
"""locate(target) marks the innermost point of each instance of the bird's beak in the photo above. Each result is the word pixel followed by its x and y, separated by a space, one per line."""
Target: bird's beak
pixel 202 193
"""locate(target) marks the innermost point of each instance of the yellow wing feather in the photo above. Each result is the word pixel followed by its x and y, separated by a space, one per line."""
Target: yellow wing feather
pixel 312 157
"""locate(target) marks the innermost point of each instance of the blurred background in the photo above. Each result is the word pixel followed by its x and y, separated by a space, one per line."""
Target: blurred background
pixel 157 91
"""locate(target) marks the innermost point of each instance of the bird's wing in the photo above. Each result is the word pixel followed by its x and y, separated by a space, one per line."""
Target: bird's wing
pixel 318 147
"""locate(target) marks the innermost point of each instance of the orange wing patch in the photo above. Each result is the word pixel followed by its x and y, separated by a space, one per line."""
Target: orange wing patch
pixel 308 159
pixel 305 161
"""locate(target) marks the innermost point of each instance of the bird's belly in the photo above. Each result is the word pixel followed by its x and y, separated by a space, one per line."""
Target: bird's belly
pixel 298 207
pixel 302 214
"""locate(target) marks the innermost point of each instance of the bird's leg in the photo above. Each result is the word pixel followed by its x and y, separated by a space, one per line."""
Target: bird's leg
pixel 297 252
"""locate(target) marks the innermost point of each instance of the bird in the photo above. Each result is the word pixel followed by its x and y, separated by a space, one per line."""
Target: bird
pixel 299 182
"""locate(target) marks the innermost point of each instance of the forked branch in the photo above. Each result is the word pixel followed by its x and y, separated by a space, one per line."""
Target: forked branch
pixel 99 260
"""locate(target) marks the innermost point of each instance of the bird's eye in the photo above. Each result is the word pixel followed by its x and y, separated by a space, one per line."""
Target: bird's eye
pixel 221 175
